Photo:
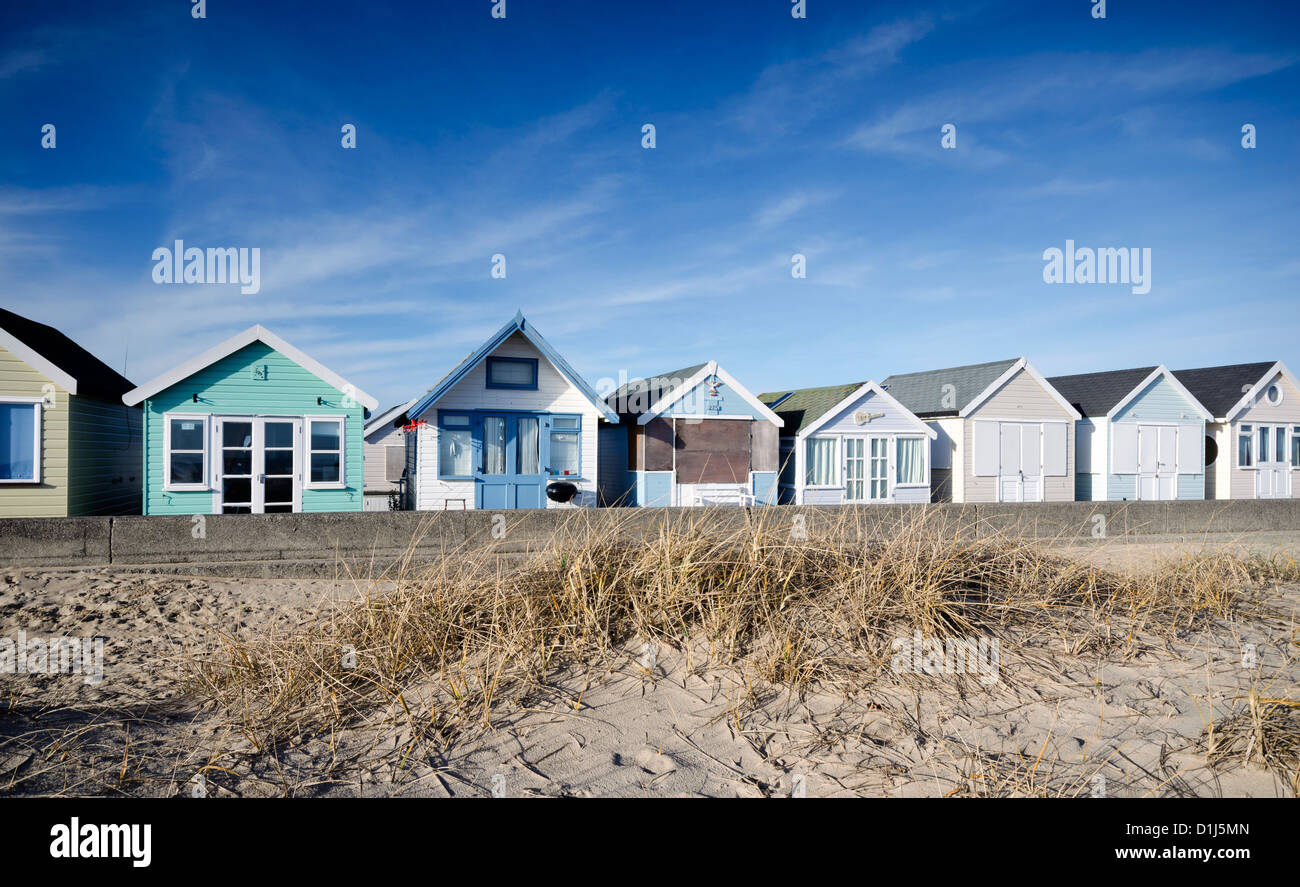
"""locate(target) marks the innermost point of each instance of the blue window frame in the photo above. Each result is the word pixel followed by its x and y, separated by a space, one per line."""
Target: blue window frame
pixel 458 445
pixel 518 373
pixel 461 448
pixel 563 457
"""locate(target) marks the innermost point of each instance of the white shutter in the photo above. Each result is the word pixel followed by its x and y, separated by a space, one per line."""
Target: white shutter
pixel 1055 449
pixel 1124 454
pixel 1190 459
pixel 985 457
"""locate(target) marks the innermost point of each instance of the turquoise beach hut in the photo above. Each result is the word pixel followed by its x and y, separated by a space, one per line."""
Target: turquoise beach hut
pixel 252 426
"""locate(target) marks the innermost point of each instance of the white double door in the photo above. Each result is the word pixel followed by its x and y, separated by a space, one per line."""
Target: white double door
pixel 1157 477
pixel 1272 468
pixel 258 464
pixel 866 469
pixel 1020 462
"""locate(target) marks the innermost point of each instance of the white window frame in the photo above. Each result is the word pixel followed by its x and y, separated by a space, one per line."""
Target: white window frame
pixel 1250 436
pixel 1276 385
pixel 342 482
pixel 205 484
pixel 837 461
pixel 38 404
pixel 925 462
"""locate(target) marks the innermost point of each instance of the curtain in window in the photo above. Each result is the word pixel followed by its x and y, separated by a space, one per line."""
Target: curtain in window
pixel 494 445
pixel 911 468
pixel 529 456
pixel 821 461
pixel 454 448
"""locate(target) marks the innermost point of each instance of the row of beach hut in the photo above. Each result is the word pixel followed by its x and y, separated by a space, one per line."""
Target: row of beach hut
pixel 254 425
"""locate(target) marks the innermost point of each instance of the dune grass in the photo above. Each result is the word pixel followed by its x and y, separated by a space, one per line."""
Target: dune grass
pixel 445 644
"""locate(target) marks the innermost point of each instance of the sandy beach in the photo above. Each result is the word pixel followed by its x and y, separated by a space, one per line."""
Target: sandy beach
pixel 653 721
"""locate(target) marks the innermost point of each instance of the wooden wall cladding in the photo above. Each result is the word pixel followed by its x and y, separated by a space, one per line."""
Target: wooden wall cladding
pixel 657 446
pixel 766 446
pixel 713 451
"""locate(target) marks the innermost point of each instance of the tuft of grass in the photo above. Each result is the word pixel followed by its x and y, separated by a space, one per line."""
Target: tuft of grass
pixel 442 645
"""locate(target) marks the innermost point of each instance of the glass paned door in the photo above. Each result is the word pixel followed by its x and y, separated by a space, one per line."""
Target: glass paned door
pixel 494 445
pixel 855 469
pixel 260 465
pixel 511 474
pixel 279 474
pixel 879 468
pixel 236 482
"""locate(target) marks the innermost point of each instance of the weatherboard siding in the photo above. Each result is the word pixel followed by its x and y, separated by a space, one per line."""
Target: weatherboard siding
pixel 1020 399
pixel 1159 403
pixel 554 394
pixel 49 498
pixel 1241 481
pixel 106 452
pixel 227 388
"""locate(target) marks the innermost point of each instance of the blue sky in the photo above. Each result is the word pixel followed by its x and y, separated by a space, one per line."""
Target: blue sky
pixel 775 136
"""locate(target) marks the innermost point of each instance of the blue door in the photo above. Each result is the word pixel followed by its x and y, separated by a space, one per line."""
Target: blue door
pixel 510 475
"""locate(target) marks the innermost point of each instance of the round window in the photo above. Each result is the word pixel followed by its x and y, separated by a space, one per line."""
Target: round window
pixel 1211 451
pixel 1274 394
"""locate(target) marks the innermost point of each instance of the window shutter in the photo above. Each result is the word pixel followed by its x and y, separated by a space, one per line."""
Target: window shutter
pixel 1190 460
pixel 1124 456
pixel 985 459
pixel 1055 449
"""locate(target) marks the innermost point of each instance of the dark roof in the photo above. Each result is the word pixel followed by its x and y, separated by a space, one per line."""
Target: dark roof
pixel 94 377
pixel 1095 394
pixel 802 407
pixel 1219 388
pixel 923 393
pixel 639 395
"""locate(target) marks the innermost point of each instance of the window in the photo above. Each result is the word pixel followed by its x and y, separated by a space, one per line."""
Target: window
pixel 821 469
pixel 186 445
pixel 512 372
pixel 20 441
pixel 325 457
pixel 1279 445
pixel 394 462
pixel 566 450
pixel 1274 394
pixel 528 452
pixel 911 464
pixel 455 446
pixel 1295 447
pixel 1245 455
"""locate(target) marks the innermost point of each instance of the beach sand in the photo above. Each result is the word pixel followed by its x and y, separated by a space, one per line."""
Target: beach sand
pixel 1056 722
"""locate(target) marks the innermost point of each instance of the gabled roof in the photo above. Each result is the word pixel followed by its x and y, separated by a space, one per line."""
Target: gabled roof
pixel 801 407
pixel 1257 390
pixel 924 393
pixel 518 324
pixel 1021 365
pixel 857 395
pixel 1220 389
pixel 636 396
pixel 230 346
pixel 672 387
pixel 388 416
pixel 1095 394
pixel 59 359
